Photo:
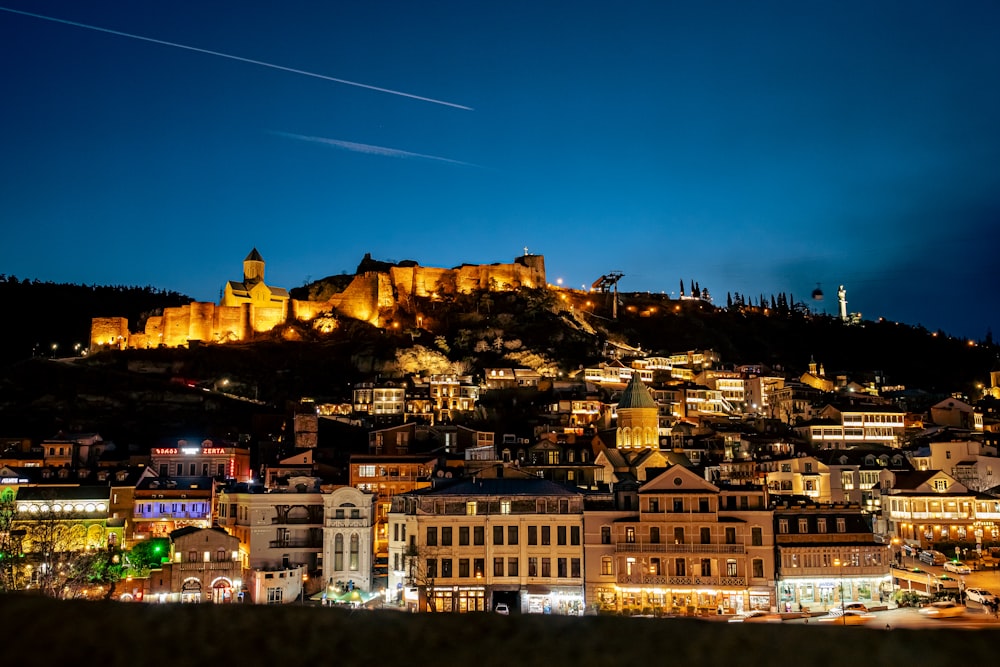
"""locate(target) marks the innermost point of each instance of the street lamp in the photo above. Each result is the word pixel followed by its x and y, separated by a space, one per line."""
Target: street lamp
pixel 840 571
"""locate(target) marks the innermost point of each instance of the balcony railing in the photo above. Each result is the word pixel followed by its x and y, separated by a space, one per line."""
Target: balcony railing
pixel 292 543
pixel 673 580
pixel 656 548
pixel 215 565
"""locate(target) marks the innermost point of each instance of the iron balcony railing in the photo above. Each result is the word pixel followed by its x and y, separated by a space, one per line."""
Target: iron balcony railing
pixel 658 548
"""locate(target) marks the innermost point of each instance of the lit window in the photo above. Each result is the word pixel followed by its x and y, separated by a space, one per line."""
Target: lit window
pixel 470 507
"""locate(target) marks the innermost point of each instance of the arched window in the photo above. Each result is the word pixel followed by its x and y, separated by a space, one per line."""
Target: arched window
pixel 355 552
pixel 338 552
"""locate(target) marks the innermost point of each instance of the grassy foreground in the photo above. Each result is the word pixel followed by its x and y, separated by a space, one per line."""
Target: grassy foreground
pixel 46 632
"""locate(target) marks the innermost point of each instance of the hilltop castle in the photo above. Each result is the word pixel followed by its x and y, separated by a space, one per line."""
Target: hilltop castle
pixel 251 306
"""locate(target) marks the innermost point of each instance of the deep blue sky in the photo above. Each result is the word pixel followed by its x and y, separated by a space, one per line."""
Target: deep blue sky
pixel 755 147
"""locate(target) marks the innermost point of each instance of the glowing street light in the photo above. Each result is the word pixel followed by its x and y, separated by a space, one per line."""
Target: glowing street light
pixel 840 570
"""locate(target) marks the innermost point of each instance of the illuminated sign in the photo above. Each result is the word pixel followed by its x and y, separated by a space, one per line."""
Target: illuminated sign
pixel 12 480
pixel 189 451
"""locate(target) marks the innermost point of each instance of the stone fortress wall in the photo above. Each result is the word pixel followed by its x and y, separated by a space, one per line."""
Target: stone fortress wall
pixel 370 296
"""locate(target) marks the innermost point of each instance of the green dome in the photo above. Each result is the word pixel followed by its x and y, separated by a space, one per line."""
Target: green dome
pixel 636 395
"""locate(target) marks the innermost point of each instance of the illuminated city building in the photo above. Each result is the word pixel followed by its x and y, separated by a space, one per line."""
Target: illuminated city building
pixel 470 544
pixel 689 547
pixel 348 534
pixel 827 556
pixel 206 459
pixel 638 418
pixel 165 504
pixel 203 567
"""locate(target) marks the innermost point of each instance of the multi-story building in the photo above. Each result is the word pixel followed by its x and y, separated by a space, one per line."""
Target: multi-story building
pixel 162 505
pixel 970 462
pixel 797 476
pixel 928 507
pixel 204 566
pixel 386 476
pixel 348 540
pixel 385 401
pixel 851 425
pixel 691 547
pixel 205 459
pixel 280 533
pixel 473 543
pixel 827 555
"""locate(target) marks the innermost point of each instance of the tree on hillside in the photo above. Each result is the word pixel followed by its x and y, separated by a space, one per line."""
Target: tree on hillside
pixel 419 359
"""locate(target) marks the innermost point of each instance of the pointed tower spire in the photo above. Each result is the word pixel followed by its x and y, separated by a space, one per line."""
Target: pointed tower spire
pixel 253 267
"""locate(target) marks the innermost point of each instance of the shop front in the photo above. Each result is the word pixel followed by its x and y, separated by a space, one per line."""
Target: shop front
pixel 561 600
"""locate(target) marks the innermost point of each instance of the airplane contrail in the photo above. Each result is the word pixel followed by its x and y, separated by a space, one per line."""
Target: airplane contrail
pixel 369 148
pixel 239 58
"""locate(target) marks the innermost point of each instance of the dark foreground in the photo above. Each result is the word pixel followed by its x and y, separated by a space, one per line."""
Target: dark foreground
pixel 46 632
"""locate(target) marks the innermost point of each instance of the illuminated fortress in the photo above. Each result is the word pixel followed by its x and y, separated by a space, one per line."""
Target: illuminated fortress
pixel 251 306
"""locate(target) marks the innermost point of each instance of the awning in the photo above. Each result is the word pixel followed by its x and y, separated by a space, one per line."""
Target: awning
pixel 537 589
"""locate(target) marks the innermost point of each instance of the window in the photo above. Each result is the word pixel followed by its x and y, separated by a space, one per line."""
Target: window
pixel 532 566
pixel 607 566
pixel 497 534
pixel 561 567
pixel 654 535
pixel 821 524
pixel 463 568
pixel 678 505
pixel 706 567
pixel 546 535
pixel 446 568
pixel 479 535
pixel 355 553
pixel 355 514
pixel 463 536
pixel 532 535
pixel 511 534
pixel 678 535
pixel 730 535
pixel 841 525
pixel 803 525
pixel 654 504
pixel 512 567
pixel 630 534
pixel 561 535
pixel 338 513
pixel 680 567
pixel 783 526
pixel 758 568
pixel 703 504
pixel 809 467
pixel 846 480
pixel 432 568
pixel 654 566
pixel 446 536
pixel 274 596
pixel 605 534
pixel 574 535
pixel 432 536
pixel 539 507
pixel 756 536
pixel 479 567
pixel 504 507
pixel 498 567
pixel 706 535
pixel 470 507
pixel 546 567
pixel 731 570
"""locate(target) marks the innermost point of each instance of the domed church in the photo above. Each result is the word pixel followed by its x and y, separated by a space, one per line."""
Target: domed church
pixel 638 418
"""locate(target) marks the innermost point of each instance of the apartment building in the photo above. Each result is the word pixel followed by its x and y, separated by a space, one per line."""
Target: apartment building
pixel 470 544
pixel 692 548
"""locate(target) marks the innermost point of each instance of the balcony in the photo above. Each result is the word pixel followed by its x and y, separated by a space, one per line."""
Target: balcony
pixel 673 580
pixel 296 543
pixel 648 548
pixel 210 566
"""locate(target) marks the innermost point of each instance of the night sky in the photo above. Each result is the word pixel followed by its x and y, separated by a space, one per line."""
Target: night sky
pixel 753 147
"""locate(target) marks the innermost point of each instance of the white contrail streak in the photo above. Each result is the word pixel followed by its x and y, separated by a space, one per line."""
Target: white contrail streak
pixel 369 149
pixel 239 58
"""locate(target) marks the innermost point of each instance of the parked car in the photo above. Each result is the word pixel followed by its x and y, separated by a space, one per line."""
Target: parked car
pixel 980 595
pixel 932 557
pixel 502 608
pixel 846 617
pixel 943 609
pixel 757 616
pixel 958 567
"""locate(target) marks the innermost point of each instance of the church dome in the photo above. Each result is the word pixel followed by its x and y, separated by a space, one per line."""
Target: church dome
pixel 636 395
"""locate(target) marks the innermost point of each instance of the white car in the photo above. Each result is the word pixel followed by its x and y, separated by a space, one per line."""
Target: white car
pixel 943 609
pixel 502 608
pixel 958 567
pixel 980 595
pixel 846 617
